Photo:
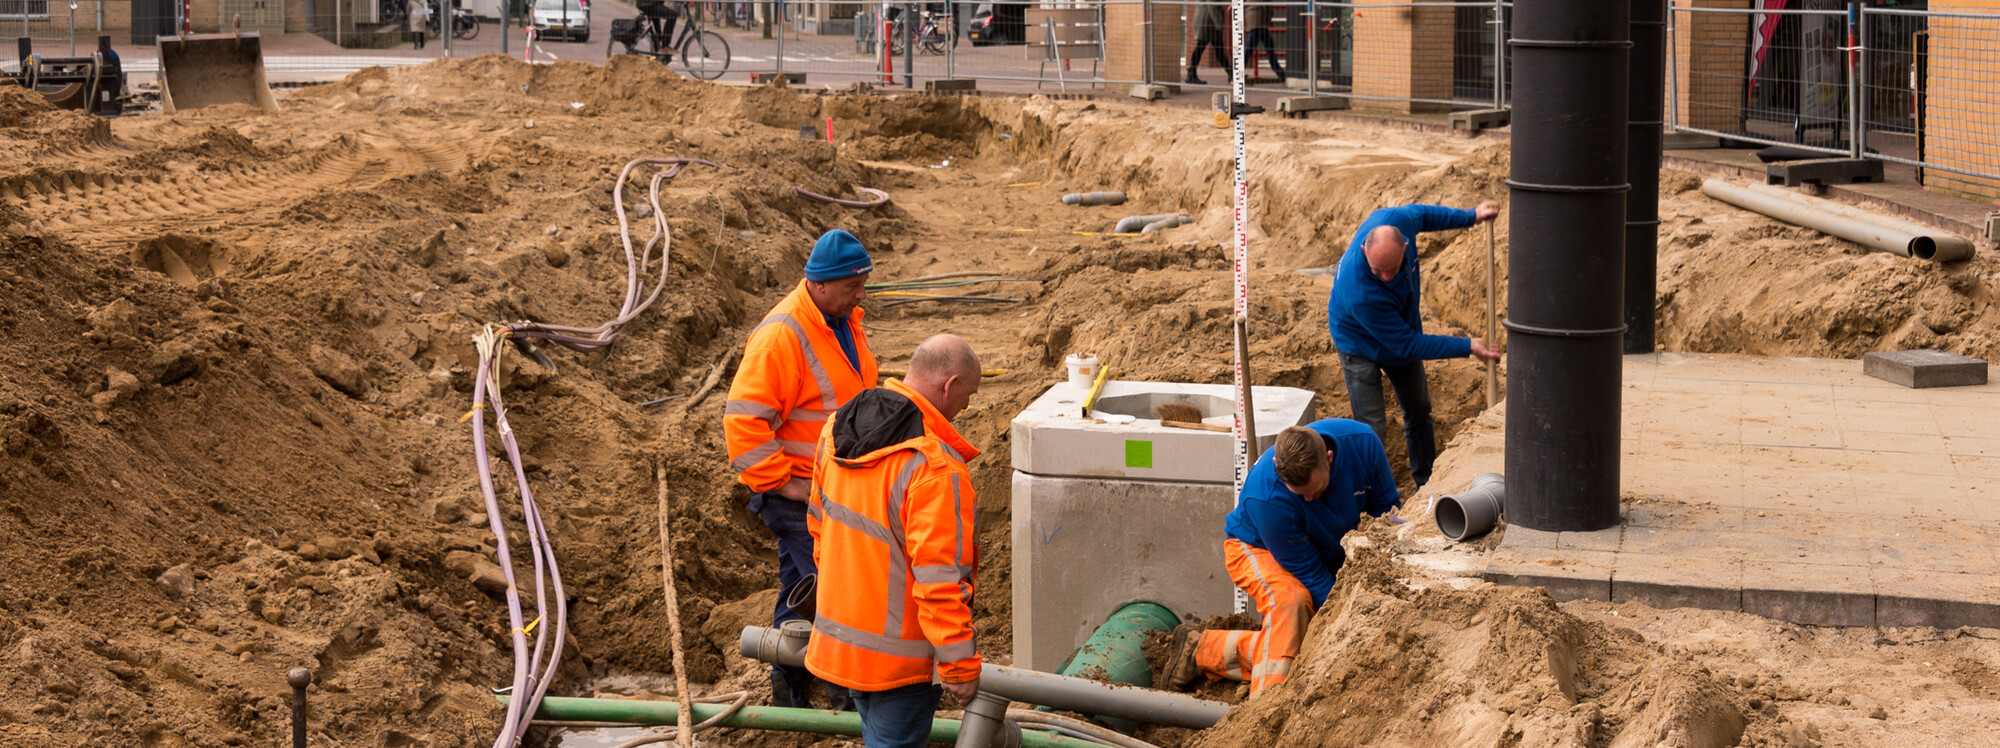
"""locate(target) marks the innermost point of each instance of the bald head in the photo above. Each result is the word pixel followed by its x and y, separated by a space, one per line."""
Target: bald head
pixel 1385 251
pixel 946 372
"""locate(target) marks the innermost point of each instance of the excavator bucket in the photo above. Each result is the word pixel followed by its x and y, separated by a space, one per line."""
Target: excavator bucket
pixel 210 69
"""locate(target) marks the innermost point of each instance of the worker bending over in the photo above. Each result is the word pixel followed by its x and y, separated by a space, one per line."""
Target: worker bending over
pixel 1378 329
pixel 892 521
pixel 808 358
pixel 1283 547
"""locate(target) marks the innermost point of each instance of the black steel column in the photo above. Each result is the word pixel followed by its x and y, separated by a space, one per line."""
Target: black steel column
pixel 1565 279
pixel 1642 204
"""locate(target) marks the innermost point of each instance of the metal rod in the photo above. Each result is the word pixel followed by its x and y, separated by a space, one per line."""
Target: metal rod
pixel 1567 235
pixel 1857 42
pixel 1312 47
pixel 950 41
pixel 507 16
pixel 909 28
pixel 1499 60
pixel 299 678
pixel 778 10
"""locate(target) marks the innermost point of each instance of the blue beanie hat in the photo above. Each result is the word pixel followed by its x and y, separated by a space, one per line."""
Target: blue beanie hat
pixel 837 255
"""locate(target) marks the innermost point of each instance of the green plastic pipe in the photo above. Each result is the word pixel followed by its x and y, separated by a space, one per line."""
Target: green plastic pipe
pixel 1116 652
pixel 816 721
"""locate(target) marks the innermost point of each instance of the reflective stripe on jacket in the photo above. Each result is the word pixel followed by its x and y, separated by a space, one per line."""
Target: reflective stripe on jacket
pixel 792 377
pixel 893 533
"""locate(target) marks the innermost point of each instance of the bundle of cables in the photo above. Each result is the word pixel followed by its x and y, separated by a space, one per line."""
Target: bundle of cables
pixel 535 669
pixel 907 292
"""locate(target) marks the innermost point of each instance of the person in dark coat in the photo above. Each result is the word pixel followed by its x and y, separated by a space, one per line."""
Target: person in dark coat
pixel 1208 22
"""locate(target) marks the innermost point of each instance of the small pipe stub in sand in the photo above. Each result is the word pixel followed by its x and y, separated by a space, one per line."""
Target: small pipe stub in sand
pixel 1468 515
pixel 1133 224
pixel 1094 198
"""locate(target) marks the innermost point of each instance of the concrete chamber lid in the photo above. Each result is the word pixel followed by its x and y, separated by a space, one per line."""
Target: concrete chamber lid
pixel 1053 438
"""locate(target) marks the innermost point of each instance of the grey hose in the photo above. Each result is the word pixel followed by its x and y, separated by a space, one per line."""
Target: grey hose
pixel 741 698
pixel 1132 224
pixel 1078 728
pixel 877 197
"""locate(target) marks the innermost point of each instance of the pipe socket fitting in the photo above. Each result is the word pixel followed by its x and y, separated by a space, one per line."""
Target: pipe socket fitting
pixel 1468 515
pixel 1094 198
pixel 1134 224
pixel 986 724
pixel 784 645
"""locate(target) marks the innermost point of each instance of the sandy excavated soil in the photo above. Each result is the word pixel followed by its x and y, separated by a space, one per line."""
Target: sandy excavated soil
pixel 229 437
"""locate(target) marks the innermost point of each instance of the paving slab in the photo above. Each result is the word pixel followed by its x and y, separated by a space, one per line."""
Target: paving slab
pixel 1798 489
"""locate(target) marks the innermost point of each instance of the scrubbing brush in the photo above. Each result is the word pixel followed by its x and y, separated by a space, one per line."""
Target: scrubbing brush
pixel 1184 416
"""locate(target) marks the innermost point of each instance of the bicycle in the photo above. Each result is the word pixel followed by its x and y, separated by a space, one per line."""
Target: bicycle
pixel 933 32
pixel 704 54
pixel 463 24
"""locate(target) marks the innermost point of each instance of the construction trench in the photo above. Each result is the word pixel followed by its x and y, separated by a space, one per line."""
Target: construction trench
pixel 234 439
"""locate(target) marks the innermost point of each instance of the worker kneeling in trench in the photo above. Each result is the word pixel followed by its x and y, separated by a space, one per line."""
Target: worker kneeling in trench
pixel 1283 547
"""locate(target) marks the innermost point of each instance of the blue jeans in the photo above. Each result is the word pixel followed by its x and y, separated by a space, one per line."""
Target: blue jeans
pixel 787 520
pixel 1364 396
pixel 898 717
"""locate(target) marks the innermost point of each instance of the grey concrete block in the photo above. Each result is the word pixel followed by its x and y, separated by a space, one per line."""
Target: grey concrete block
pixel 1125 439
pixel 1481 119
pixel 1677 582
pixel 1813 594
pixel 1824 171
pixel 952 85
pixel 1084 547
pixel 1684 141
pixel 796 79
pixel 1154 92
pixel 1295 106
pixel 1924 368
pixel 1942 600
pixel 1568 575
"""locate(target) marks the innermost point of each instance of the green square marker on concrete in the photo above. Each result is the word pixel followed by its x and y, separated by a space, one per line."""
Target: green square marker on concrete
pixel 1138 454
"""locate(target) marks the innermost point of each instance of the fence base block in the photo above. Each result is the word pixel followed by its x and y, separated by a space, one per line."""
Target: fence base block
pixel 794 79
pixel 1296 107
pixel 1993 227
pixel 1154 92
pixel 1824 171
pixel 952 86
pixel 1687 141
pixel 1481 119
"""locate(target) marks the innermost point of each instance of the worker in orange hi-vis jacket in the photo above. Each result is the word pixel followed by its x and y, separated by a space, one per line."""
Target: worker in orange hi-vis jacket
pixel 892 525
pixel 807 359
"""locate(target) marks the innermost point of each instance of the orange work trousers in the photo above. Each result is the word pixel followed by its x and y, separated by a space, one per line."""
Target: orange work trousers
pixel 1262 657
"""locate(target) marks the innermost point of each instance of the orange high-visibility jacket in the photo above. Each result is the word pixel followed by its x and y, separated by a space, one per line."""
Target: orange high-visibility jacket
pixel 793 377
pixel 892 525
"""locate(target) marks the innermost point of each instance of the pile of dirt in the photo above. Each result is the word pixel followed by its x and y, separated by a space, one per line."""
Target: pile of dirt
pixel 19 105
pixel 1489 666
pixel 233 444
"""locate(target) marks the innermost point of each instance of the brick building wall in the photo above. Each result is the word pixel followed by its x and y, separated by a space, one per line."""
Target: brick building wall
pixel 1961 115
pixel 1125 35
pixel 1709 50
pixel 1403 53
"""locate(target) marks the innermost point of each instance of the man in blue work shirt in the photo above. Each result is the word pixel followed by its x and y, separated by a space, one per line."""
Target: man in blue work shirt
pixel 1378 329
pixel 1283 547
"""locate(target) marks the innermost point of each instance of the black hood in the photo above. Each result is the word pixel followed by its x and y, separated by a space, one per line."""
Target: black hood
pixel 874 419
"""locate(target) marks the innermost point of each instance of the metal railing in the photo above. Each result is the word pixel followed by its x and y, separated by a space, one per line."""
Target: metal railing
pixel 1914 88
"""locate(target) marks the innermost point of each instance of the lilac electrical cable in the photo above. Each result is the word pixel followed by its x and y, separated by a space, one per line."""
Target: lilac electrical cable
pixel 535 669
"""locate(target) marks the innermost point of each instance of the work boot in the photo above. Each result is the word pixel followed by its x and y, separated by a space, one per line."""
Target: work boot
pixel 781 692
pixel 1194 81
pixel 1181 669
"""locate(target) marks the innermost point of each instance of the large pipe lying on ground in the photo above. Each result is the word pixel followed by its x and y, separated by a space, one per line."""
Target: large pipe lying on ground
pixel 815 721
pixel 1094 198
pixel 1877 232
pixel 1116 651
pixel 788 647
pixel 1468 515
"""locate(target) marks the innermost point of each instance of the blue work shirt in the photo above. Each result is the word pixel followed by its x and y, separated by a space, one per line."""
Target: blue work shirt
pixel 1378 320
pixel 845 335
pixel 1304 536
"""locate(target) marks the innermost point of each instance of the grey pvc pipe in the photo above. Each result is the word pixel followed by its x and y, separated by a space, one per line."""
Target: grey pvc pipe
pixel 788 647
pixel 1468 515
pixel 986 724
pixel 1166 224
pixel 1133 224
pixel 1094 198
pixel 1874 231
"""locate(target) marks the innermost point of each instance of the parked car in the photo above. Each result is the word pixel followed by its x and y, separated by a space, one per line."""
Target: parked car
pixel 568 20
pixel 996 23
